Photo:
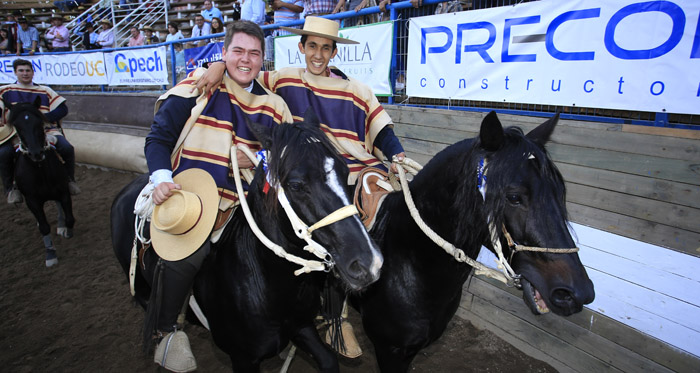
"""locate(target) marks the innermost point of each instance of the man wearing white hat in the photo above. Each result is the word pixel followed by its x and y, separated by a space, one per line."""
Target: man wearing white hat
pixel 106 37
pixel 186 135
pixel 359 127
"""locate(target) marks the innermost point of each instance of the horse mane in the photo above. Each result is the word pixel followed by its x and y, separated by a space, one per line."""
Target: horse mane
pixel 291 142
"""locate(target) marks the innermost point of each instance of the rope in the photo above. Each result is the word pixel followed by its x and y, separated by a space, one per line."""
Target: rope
pixel 143 209
pixel 456 253
pixel 517 247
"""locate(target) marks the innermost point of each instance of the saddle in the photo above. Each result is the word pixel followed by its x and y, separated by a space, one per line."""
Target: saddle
pixel 372 187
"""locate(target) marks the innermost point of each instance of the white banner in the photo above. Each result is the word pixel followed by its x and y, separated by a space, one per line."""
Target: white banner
pixel 137 66
pixel 617 54
pixel 368 62
pixel 60 69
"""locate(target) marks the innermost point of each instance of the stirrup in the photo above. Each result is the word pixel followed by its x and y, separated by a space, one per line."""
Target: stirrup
pixel 174 353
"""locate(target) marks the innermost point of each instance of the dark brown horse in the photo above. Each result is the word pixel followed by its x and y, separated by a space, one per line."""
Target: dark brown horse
pixel 40 175
pixel 421 286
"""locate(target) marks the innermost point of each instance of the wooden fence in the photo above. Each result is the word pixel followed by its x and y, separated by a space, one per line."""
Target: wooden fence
pixel 630 184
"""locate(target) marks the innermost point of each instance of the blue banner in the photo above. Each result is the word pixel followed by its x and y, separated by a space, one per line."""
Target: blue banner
pixel 196 57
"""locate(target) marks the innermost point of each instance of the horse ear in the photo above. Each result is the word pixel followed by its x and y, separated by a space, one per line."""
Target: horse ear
pixel 261 132
pixel 541 133
pixel 491 132
pixel 37 102
pixel 310 117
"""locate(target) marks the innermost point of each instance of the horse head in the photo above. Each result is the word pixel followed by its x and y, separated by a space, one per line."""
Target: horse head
pixel 28 121
pixel 303 165
pixel 526 199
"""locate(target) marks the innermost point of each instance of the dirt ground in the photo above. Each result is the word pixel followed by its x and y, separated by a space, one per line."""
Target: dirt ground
pixel 78 315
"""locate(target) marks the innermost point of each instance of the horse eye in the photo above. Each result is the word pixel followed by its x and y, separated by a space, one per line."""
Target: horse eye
pixel 513 199
pixel 294 186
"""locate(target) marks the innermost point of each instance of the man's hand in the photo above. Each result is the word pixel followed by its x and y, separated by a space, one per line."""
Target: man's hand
pixel 339 6
pixel 162 191
pixel 383 4
pixel 243 160
pixel 394 166
pixel 362 5
pixel 417 3
pixel 211 79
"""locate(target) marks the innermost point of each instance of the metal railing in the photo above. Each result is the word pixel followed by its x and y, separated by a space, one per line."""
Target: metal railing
pixel 121 16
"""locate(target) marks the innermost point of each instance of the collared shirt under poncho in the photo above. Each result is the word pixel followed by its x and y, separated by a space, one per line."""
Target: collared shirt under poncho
pixel 349 112
pixel 215 123
pixel 15 93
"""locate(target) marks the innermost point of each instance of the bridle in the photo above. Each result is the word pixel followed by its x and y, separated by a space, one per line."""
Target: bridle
pixel 301 229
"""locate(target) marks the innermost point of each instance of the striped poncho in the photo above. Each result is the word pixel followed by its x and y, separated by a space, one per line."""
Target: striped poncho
pixel 349 112
pixel 216 122
pixel 15 93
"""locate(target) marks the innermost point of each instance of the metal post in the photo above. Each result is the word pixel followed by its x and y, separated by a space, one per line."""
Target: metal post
pixel 394 57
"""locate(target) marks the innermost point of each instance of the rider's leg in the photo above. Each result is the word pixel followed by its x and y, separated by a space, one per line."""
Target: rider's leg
pixel 7 172
pixel 340 334
pixel 176 284
pixel 67 152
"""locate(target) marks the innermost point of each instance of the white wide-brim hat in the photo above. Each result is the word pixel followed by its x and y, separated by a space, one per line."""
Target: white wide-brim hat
pixel 181 224
pixel 322 27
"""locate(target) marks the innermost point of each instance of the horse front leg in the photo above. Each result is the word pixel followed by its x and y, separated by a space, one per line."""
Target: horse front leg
pixel 308 340
pixel 66 220
pixel 37 209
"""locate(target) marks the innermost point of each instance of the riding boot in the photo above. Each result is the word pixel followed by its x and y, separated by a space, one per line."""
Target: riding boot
pixel 7 172
pixel 340 335
pixel 173 352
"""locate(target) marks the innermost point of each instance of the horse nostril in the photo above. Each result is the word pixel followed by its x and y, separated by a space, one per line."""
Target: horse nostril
pixel 564 298
pixel 357 270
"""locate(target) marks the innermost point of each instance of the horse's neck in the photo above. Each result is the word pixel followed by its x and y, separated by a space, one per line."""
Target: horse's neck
pixel 444 202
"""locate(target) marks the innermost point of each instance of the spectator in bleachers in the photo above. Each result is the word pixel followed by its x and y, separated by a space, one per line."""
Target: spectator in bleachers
pixel 66 5
pixel 136 39
pixel 254 11
pixel 287 11
pixel 209 12
pixel 89 36
pixel 58 34
pixel 201 28
pixel 173 32
pixel 217 27
pixel 319 7
pixel 27 37
pixel 356 5
pixel 7 43
pixel 148 35
pixel 11 25
pixel 106 37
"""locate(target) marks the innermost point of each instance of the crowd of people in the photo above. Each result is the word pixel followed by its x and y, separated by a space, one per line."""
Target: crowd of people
pixel 19 36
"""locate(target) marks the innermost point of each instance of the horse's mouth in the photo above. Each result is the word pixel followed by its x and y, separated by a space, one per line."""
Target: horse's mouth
pixel 533 299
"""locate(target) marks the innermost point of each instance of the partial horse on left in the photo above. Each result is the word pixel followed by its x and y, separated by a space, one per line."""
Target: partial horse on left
pixel 40 173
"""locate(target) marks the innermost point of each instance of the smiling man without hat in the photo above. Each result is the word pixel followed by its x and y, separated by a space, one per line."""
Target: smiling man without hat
pixel 183 140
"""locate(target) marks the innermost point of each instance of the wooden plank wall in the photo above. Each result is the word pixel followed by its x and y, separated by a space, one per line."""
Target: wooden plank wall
pixel 630 181
pixel 638 185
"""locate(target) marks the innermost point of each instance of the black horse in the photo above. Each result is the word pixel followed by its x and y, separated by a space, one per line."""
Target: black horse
pixel 253 302
pixel 421 286
pixel 40 173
